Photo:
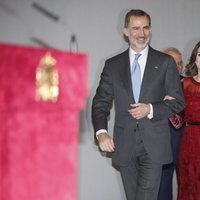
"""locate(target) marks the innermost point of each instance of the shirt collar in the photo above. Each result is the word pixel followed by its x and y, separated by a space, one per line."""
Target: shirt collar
pixel 144 52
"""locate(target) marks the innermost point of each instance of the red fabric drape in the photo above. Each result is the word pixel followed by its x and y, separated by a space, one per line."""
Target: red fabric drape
pixel 38 140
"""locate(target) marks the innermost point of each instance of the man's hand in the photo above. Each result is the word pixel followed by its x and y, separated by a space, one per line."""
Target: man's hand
pixel 139 110
pixel 168 98
pixel 106 142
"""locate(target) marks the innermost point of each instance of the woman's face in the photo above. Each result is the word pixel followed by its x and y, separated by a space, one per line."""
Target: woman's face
pixel 197 62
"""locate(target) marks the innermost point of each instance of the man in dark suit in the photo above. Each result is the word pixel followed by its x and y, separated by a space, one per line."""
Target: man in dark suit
pixel 176 128
pixel 141 139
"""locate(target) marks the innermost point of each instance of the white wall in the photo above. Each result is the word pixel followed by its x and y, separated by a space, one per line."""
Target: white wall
pixel 97 25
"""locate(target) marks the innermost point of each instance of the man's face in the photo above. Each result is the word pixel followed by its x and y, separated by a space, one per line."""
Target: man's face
pixel 138 32
pixel 178 60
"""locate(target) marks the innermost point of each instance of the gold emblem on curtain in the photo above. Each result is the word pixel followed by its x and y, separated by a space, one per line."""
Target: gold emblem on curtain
pixel 47 79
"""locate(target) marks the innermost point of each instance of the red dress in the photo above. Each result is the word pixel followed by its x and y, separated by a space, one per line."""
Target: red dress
pixel 189 160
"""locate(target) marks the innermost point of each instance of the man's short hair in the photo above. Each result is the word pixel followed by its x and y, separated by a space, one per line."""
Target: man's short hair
pixel 137 13
pixel 172 49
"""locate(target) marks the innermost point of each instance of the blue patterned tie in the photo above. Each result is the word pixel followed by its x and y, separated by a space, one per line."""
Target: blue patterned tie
pixel 136 77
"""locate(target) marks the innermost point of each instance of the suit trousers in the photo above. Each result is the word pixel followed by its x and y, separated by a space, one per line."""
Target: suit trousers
pixel 141 178
pixel 166 184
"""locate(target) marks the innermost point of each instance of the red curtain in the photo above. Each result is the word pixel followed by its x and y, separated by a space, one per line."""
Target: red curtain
pixel 39 140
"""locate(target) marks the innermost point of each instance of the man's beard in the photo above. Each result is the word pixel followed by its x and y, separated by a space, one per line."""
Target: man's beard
pixel 142 46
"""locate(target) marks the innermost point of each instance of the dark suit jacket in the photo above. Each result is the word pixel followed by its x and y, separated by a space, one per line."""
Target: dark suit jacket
pixel 160 78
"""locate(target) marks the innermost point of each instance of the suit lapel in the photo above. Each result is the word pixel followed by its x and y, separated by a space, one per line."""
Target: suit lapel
pixel 125 75
pixel 148 73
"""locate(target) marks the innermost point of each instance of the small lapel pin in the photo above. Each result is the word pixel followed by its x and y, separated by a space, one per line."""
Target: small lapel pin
pixel 156 67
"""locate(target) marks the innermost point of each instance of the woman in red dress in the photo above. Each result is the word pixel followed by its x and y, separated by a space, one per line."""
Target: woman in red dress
pixel 189 160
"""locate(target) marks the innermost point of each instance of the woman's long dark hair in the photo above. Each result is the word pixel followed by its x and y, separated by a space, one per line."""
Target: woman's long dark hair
pixel 191 68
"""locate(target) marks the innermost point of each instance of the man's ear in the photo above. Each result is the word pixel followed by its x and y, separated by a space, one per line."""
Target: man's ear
pixel 125 31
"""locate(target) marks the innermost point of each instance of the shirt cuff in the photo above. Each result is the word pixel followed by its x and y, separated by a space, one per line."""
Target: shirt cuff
pixel 150 115
pixel 100 131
